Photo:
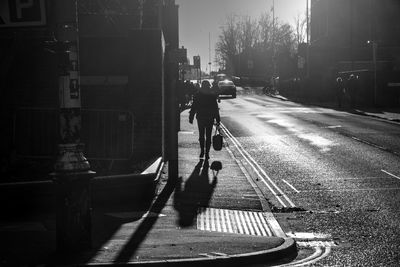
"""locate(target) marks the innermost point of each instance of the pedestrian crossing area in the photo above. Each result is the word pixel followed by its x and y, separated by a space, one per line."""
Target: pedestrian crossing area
pixel 237 222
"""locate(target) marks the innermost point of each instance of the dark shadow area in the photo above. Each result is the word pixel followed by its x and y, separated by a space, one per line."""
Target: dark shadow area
pixel 144 228
pixel 196 193
pixel 222 97
pixel 105 223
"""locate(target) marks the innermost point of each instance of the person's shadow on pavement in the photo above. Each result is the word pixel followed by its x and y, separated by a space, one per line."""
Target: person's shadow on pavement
pixel 197 193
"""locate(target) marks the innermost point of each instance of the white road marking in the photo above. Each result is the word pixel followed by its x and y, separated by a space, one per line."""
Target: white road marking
pixel 264 222
pixel 223 221
pixel 219 254
pixel 317 253
pixel 351 190
pixel 230 230
pixel 258 170
pixel 388 173
pixel 255 223
pixel 212 220
pixel 333 127
pixel 263 233
pixel 324 244
pixel 325 254
pixel 238 222
pixel 308 236
pixel 243 222
pixel 207 221
pixel 316 256
pixel 218 217
pixel 291 186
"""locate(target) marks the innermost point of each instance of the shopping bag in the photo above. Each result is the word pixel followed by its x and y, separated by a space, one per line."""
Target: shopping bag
pixel 217 139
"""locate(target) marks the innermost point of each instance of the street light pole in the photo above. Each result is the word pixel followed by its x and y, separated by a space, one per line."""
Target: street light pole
pixel 308 39
pixel 209 51
pixel 374 48
pixel 375 68
pixel 273 41
pixel 72 170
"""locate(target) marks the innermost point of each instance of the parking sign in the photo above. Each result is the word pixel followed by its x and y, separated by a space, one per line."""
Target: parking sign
pixel 22 13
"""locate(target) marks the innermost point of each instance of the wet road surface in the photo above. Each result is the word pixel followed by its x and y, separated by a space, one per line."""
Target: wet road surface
pixel 332 178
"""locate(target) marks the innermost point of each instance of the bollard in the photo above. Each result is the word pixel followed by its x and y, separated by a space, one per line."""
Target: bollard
pixel 72 178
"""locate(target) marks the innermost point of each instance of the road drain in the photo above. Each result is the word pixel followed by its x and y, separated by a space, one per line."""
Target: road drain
pixel 234 221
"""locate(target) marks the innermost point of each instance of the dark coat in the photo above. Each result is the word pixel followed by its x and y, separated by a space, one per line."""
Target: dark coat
pixel 205 108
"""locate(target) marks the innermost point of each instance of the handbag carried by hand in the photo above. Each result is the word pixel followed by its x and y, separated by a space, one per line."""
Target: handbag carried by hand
pixel 217 139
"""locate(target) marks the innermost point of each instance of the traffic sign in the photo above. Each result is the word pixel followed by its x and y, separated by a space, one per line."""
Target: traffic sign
pixel 196 62
pixel 22 13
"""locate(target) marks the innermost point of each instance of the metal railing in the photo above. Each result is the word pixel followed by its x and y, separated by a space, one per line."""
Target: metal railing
pixel 107 134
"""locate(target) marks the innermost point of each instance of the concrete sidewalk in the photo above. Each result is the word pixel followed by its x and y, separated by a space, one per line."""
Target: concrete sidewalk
pixel 203 217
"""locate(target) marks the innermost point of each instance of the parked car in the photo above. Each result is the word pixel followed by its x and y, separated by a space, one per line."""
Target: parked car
pixel 227 87
pixel 221 77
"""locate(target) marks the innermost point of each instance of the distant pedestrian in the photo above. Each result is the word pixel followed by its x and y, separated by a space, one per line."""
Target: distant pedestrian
pixel 339 90
pixel 352 85
pixel 181 95
pixel 205 107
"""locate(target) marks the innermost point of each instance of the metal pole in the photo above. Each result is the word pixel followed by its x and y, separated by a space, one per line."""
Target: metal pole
pixel 72 170
pixel 374 48
pixel 273 41
pixel 209 51
pixel 351 34
pixel 308 39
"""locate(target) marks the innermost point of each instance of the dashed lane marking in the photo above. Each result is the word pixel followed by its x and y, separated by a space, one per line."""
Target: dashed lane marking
pixel 390 174
pixel 291 186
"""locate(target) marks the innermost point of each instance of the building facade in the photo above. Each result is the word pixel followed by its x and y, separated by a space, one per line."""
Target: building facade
pixel 359 37
pixel 122 49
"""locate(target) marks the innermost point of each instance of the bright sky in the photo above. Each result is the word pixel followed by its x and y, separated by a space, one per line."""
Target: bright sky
pixel 198 18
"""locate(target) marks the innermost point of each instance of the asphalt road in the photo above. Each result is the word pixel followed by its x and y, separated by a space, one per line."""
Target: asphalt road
pixel 332 178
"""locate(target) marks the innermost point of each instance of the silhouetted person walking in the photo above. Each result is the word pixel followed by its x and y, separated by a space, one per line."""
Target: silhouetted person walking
pixel 339 90
pixel 205 107
pixel 352 88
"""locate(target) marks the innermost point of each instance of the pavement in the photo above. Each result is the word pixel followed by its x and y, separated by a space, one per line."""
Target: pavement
pixel 210 215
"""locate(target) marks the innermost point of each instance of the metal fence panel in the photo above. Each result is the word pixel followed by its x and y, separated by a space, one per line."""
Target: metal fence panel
pixel 107 134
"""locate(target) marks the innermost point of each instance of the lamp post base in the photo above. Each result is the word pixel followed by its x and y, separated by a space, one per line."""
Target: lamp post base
pixel 71 158
pixel 73 211
pixel 72 178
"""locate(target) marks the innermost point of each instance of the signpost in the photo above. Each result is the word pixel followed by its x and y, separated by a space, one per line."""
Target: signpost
pixel 196 63
pixel 72 170
pixel 22 13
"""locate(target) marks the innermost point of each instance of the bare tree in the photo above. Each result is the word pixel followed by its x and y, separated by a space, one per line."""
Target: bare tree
pixel 248 32
pixel 284 38
pixel 300 28
pixel 242 34
pixel 265 25
pixel 228 44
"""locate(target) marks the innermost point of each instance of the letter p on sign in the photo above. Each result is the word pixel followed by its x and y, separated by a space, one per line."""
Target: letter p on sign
pixel 20 4
pixel 22 13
